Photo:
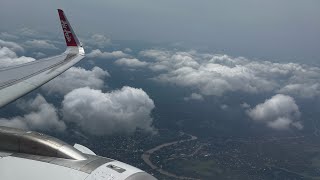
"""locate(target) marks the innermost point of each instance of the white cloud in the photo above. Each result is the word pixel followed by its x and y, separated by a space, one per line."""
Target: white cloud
pixel 77 77
pixel 12 46
pixel 215 74
pixel 211 78
pixel 97 53
pixel 130 62
pixel 97 113
pixel 43 116
pixel 39 54
pixel 160 55
pixel 27 32
pixel 158 67
pixel 98 40
pixel 280 123
pixel 101 40
pixel 10 58
pixel 297 125
pixel 194 96
pixel 120 111
pixel 127 50
pixel 40 44
pixel 224 107
pixel 306 90
pixel 6 35
pixel 279 112
pixel 245 105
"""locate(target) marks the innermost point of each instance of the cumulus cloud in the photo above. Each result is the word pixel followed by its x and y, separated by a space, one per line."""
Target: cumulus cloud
pixel 12 46
pixel 27 32
pixel 130 62
pixel 215 74
pixel 42 116
pixel 245 105
pixel 6 35
pixel 98 40
pixel 224 107
pixel 166 60
pixel 306 90
pixel 127 50
pixel 160 55
pixel 98 113
pixel 10 58
pixel 40 44
pixel 77 77
pixel 39 54
pixel 278 112
pixel 194 96
pixel 158 67
pixel 97 53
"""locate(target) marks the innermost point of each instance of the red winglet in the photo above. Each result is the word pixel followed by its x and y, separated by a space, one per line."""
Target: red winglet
pixel 69 35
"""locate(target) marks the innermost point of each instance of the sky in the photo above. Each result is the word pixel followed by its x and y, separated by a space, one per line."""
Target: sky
pixel 285 30
pixel 260 59
pixel 210 68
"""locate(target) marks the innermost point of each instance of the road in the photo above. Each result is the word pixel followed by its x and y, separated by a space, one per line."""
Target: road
pixel 146 157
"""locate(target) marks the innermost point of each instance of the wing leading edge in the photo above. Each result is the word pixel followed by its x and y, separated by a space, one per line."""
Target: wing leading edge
pixel 19 80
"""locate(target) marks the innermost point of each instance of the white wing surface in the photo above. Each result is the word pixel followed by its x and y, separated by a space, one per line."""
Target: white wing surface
pixel 36 156
pixel 19 80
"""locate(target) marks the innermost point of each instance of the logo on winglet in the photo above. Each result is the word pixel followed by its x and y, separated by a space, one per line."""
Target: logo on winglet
pixel 66 32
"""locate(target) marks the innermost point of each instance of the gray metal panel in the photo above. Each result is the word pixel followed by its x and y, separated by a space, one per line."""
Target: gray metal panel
pixel 116 168
pixel 34 157
pixel 14 74
pixel 13 168
pixel 38 144
pixel 33 143
pixel 9 142
pixel 87 166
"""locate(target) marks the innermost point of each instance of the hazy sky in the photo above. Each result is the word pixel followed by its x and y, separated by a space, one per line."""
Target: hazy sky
pixel 285 29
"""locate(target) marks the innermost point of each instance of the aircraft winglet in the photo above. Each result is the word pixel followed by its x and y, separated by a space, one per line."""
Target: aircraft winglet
pixel 69 35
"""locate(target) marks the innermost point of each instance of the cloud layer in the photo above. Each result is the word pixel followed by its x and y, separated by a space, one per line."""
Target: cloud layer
pixel 77 77
pixel 98 113
pixel 95 112
pixel 98 40
pixel 194 96
pixel 130 62
pixel 11 45
pixel 97 53
pixel 278 112
pixel 120 111
pixel 215 74
pixel 39 44
pixel 9 58
pixel 42 116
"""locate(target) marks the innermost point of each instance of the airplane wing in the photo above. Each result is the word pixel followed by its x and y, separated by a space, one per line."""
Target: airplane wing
pixel 16 81
pixel 32 155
